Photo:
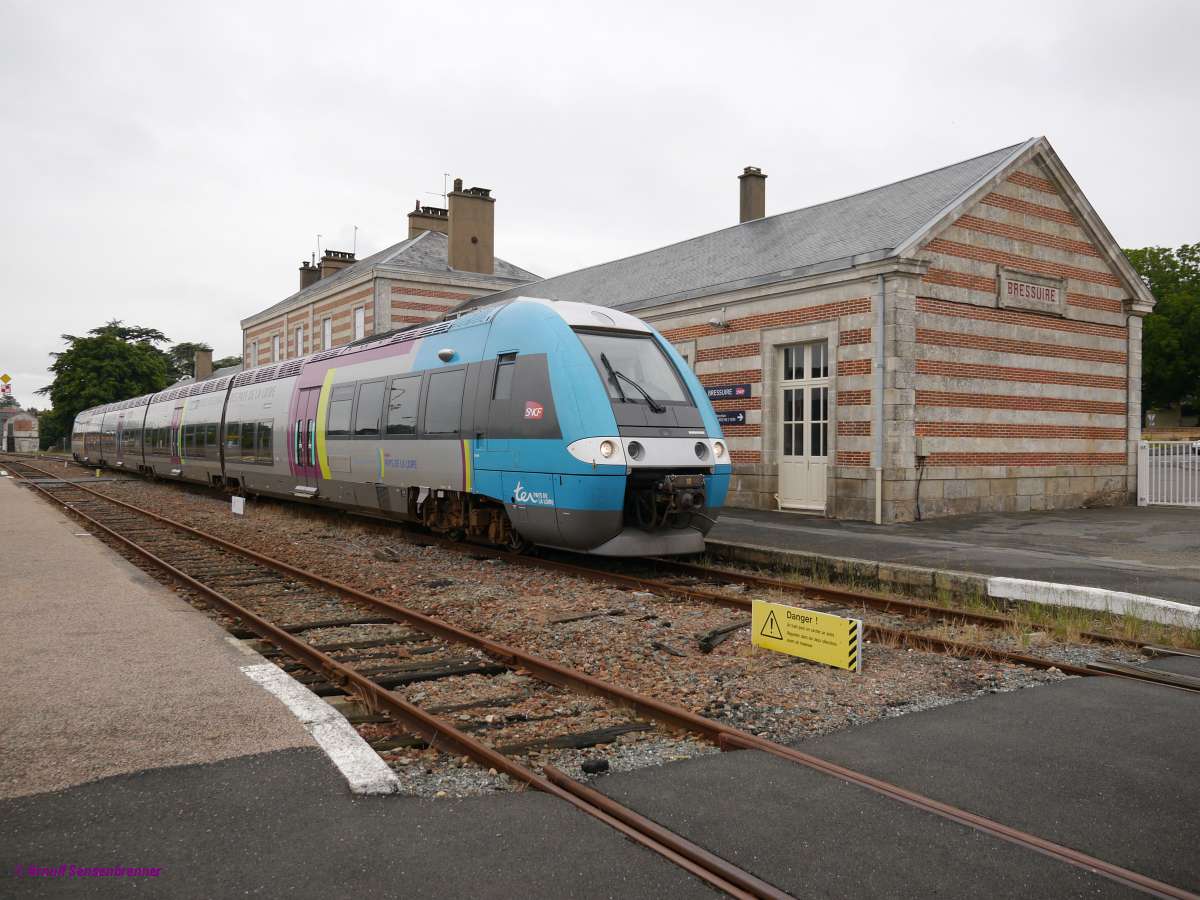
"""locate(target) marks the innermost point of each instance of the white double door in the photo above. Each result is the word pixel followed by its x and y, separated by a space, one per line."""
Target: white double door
pixel 804 425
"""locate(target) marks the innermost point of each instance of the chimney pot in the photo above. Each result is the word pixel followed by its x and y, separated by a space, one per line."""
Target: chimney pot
pixel 428 218
pixel 334 261
pixel 753 194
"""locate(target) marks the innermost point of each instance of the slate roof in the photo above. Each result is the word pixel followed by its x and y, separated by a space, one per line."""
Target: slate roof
pixel 829 236
pixel 425 254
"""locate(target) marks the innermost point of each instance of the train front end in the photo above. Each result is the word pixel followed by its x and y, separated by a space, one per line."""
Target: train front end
pixel 646 467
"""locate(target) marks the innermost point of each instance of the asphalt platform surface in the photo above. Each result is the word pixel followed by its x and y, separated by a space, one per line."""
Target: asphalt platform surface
pixel 1103 765
pixel 1151 550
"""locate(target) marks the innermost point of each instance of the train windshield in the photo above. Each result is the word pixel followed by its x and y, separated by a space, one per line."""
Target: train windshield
pixel 635 369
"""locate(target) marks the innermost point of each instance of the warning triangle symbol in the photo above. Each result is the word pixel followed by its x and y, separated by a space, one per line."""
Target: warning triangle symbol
pixel 771 627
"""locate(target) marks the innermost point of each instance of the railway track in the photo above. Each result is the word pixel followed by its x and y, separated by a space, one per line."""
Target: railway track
pixel 258 593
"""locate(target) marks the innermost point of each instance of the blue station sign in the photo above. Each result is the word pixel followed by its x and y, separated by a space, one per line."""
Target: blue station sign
pixel 731 417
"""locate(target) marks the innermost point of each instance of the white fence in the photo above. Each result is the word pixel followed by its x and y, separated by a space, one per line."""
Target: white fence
pixel 1168 473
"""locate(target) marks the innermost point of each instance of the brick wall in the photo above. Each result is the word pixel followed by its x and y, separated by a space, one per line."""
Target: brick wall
pixel 1015 409
pixel 747 351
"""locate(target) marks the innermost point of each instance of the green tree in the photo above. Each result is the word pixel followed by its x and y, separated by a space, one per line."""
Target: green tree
pixel 112 362
pixel 181 359
pixel 7 401
pixel 1171 334
pixel 226 361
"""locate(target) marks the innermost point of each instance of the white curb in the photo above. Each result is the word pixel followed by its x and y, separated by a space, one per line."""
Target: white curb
pixel 362 767
pixel 1154 609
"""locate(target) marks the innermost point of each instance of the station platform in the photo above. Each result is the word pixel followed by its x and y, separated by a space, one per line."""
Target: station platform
pixel 1147 551
pixel 105 671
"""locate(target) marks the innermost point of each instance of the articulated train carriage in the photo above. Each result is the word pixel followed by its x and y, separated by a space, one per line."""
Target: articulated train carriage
pixel 528 422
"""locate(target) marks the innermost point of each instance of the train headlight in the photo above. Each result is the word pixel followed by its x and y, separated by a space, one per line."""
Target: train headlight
pixel 607 449
pixel 718 450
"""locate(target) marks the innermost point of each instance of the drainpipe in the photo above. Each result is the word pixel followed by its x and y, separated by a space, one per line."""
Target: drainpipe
pixel 877 404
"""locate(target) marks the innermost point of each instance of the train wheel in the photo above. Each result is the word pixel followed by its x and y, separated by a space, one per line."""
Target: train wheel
pixel 517 544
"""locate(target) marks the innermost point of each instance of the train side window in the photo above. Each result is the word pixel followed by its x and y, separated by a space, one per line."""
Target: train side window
pixel 249 429
pixel 341 402
pixel 210 435
pixel 265 454
pixel 506 365
pixel 403 405
pixel 189 437
pixel 233 438
pixel 443 408
pixel 369 409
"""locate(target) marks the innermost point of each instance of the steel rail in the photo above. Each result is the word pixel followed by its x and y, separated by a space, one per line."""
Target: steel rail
pixel 722 735
pixel 709 867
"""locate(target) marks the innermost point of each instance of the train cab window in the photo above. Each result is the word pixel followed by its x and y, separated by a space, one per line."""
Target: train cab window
pixel 403 405
pixel 506 365
pixel 265 452
pixel 443 408
pixel 249 430
pixel 369 409
pixel 341 402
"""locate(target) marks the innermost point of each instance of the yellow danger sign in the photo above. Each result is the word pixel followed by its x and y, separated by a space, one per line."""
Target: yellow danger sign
pixel 4 378
pixel 818 636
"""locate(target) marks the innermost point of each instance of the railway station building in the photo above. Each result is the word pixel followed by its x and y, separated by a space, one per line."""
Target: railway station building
pixel 446 259
pixel 965 340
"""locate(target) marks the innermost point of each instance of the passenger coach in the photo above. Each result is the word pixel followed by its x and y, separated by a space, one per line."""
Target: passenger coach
pixel 528 422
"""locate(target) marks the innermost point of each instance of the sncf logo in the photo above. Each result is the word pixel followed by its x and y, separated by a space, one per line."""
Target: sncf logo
pixel 534 410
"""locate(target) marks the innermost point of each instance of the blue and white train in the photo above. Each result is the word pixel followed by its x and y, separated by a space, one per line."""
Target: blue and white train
pixel 528 422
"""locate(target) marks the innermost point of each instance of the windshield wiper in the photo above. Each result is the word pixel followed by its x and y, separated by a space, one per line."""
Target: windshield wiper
pixel 650 401
pixel 612 373
pixel 616 380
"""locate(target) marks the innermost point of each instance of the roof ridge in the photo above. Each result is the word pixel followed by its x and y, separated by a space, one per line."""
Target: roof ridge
pixel 789 212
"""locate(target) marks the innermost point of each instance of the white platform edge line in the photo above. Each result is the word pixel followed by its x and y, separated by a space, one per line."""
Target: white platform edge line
pixel 1154 609
pixel 362 768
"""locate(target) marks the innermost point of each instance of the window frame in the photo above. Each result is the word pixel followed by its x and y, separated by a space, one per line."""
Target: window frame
pixel 427 395
pixel 388 434
pixel 360 329
pixel 506 362
pixel 334 391
pixel 358 391
pixel 327 333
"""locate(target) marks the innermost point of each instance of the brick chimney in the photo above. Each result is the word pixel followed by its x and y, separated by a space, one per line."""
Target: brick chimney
pixel 309 274
pixel 202 364
pixel 334 261
pixel 753 194
pixel 428 218
pixel 472 229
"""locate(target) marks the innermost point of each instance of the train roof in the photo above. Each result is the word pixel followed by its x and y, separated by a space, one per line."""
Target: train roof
pixel 577 315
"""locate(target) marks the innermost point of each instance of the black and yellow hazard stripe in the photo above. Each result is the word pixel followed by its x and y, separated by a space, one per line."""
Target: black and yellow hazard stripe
pixel 852 649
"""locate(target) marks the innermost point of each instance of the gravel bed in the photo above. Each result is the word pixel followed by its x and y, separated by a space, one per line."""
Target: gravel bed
pixel 635 639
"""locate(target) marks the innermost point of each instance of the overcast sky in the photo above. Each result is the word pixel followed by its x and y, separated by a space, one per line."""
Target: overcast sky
pixel 171 164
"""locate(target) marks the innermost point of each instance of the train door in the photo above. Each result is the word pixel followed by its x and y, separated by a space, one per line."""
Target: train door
pixel 176 448
pixel 304 443
pixel 119 447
